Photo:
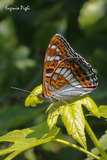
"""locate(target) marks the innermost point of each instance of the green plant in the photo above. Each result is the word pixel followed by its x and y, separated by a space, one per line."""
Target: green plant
pixel 74 120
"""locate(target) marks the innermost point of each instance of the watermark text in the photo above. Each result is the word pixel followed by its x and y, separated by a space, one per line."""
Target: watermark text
pixel 20 8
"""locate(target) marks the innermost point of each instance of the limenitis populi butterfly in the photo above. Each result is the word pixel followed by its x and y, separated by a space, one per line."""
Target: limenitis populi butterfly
pixel 66 74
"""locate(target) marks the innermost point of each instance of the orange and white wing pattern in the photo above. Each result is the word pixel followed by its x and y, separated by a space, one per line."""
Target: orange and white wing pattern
pixel 66 74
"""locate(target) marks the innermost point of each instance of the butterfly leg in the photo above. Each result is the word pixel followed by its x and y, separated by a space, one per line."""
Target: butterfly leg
pixel 51 106
pixel 66 102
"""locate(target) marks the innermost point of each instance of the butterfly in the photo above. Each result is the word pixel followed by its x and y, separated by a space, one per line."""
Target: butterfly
pixel 66 75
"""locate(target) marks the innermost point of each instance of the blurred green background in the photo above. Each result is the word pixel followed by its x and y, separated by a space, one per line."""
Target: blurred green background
pixel 24 36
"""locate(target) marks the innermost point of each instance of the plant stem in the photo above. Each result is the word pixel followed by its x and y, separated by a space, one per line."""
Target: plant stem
pixel 95 141
pixel 77 147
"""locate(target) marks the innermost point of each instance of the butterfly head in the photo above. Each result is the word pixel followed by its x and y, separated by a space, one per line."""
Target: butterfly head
pixel 47 98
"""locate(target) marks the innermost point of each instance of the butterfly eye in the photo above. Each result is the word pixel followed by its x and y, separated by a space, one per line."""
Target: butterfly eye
pixel 40 96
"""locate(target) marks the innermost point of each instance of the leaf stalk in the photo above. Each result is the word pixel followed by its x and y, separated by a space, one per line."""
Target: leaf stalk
pixel 76 147
pixel 95 141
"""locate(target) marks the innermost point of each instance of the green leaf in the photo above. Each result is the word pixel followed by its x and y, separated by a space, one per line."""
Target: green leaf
pixel 103 111
pixel 73 119
pixel 27 138
pixel 32 99
pixel 90 105
pixel 52 116
pixel 72 116
pixel 74 122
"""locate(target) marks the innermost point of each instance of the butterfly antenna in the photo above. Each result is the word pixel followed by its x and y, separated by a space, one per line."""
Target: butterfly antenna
pixel 21 89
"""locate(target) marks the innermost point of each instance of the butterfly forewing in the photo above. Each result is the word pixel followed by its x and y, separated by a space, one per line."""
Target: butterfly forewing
pixel 55 53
